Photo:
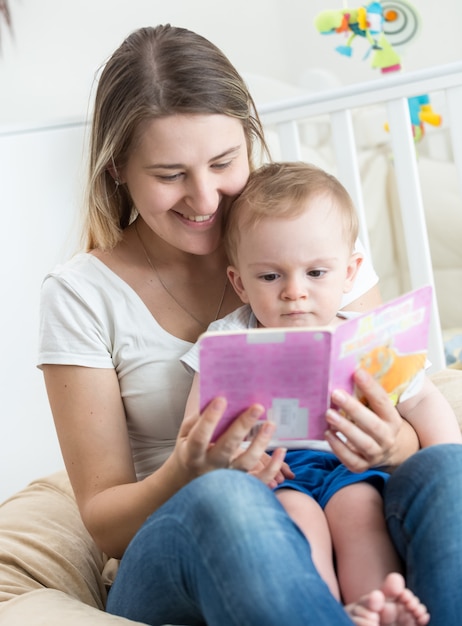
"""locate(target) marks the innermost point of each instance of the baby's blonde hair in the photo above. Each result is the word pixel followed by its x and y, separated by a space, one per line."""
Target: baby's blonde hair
pixel 281 190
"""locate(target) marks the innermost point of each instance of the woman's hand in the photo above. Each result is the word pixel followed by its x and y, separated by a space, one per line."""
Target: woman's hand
pixel 370 436
pixel 194 453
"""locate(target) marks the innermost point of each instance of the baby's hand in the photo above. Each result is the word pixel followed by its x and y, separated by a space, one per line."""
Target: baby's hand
pixel 273 463
pixel 270 469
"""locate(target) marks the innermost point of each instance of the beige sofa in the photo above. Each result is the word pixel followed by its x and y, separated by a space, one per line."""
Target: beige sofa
pixel 52 573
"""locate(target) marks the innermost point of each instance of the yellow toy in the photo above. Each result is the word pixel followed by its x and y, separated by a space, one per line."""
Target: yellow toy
pixel 386 25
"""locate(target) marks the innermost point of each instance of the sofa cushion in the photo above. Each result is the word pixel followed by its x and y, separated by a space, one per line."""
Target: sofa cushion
pixel 449 382
pixel 49 607
pixel 44 544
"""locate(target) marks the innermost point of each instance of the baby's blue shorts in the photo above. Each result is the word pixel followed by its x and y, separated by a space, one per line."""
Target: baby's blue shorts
pixel 320 474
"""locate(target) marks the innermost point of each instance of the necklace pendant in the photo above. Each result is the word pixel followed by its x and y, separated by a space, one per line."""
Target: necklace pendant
pixel 155 270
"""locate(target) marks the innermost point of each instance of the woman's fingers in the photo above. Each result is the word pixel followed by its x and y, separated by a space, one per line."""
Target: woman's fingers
pixel 227 450
pixel 376 396
pixel 356 459
pixel 367 433
pixel 196 433
pixel 227 446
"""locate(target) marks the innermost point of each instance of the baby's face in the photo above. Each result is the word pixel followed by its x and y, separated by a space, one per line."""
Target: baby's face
pixel 294 272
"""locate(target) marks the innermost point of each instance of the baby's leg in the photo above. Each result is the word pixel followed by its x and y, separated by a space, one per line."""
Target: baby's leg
pixel 363 549
pixel 310 518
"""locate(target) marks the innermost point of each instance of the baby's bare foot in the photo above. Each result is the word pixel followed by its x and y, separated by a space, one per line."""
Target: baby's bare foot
pixel 402 607
pixel 366 612
pixel 391 605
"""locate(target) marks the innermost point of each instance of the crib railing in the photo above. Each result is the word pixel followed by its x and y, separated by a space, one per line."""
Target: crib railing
pixel 392 91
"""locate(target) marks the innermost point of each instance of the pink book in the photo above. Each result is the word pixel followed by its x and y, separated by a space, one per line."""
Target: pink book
pixel 293 371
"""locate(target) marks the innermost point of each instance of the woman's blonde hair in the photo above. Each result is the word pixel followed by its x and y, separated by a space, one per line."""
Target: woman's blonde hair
pixel 156 72
pixel 281 190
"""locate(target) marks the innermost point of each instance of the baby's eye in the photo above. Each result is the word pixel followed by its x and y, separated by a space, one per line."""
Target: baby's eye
pixel 269 277
pixel 316 273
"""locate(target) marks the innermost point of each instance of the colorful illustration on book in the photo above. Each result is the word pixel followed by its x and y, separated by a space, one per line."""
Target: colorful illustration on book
pixel 394 371
pixel 293 371
pixel 390 343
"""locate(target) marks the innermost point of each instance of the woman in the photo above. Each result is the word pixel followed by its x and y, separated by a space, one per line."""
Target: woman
pixel 174 132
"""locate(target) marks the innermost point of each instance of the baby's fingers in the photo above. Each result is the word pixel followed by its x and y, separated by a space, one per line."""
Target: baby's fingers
pixel 270 473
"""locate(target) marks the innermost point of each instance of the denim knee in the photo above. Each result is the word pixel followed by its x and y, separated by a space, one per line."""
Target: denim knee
pixel 434 472
pixel 230 500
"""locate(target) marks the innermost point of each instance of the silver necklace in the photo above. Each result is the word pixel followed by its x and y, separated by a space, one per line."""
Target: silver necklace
pixel 172 296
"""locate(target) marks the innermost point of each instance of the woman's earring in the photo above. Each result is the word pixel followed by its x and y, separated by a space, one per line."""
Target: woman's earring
pixel 115 173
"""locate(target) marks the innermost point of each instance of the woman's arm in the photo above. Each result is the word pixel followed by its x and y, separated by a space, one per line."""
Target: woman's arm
pixel 92 432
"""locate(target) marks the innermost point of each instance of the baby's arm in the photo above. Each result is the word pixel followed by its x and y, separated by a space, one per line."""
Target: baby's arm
pixel 192 403
pixel 431 415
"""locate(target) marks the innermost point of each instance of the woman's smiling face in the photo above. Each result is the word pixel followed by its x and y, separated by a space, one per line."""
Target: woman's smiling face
pixel 182 173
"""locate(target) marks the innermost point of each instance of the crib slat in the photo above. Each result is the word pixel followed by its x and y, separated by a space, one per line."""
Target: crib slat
pixel 454 101
pixel 413 216
pixel 344 144
pixel 289 140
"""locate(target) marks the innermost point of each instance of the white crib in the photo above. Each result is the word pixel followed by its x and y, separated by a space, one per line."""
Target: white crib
pixel 288 116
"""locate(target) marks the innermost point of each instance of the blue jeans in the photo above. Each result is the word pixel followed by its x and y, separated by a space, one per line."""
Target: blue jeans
pixel 423 507
pixel 222 552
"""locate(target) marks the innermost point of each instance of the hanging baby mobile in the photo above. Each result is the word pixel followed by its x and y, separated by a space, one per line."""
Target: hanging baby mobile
pixel 387 26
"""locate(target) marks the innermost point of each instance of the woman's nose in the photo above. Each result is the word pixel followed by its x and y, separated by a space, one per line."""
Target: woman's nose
pixel 202 196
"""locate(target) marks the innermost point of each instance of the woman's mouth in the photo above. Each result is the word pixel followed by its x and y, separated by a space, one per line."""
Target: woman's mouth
pixel 196 218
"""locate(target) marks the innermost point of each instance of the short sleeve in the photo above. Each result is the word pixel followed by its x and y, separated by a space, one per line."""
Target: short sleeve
pixel 71 330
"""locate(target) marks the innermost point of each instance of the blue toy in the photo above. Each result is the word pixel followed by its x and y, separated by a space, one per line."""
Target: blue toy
pixel 386 25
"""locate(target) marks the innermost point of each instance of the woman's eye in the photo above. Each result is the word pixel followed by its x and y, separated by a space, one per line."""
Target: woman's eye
pixel 169 178
pixel 221 166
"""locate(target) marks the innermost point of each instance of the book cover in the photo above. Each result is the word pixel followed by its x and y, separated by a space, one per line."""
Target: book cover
pixel 293 371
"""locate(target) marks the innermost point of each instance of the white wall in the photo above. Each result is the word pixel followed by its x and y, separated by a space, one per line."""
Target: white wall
pixel 40 195
pixel 46 74
pixel 47 70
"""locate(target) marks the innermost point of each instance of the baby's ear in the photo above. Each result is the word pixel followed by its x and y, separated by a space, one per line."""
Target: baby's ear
pixel 352 271
pixel 236 281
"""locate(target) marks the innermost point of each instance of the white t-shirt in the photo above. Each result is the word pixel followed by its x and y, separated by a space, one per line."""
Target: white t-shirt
pixel 90 317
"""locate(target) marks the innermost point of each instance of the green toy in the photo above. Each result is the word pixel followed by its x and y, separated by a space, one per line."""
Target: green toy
pixel 386 25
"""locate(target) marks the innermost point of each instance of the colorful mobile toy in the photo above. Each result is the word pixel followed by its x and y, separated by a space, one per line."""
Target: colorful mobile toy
pixel 387 26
